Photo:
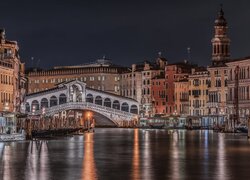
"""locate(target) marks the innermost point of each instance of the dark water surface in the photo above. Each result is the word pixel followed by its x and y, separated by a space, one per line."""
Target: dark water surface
pixel 129 154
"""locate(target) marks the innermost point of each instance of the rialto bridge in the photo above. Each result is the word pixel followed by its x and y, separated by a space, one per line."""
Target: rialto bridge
pixel 74 95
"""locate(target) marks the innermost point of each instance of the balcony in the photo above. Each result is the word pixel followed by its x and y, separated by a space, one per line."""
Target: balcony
pixel 213 104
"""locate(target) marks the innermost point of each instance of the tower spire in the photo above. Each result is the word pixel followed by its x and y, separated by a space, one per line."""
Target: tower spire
pixel 220 41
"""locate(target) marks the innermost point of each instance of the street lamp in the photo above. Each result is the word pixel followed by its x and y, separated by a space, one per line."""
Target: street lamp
pixel 33 109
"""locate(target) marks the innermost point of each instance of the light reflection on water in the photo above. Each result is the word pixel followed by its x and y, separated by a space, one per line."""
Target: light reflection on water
pixel 129 154
pixel 89 169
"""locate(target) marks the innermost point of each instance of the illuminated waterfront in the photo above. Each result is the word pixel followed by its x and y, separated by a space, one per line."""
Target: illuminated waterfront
pixel 129 154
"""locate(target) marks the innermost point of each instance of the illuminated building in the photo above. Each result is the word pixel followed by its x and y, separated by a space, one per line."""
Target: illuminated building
pixel 137 83
pixel 242 68
pixel 12 82
pixel 217 91
pixel 100 75
pixel 199 83
pixel 174 73
pixel 159 94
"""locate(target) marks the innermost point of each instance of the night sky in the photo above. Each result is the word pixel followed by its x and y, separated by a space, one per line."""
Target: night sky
pixel 76 32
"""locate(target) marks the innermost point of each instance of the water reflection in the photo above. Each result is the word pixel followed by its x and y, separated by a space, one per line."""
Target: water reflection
pixel 128 154
pixel 221 159
pixel 175 156
pixel 89 169
pixel 136 156
pixel 37 161
pixel 146 164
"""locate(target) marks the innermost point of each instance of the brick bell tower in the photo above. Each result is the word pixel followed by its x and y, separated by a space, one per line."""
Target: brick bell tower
pixel 220 41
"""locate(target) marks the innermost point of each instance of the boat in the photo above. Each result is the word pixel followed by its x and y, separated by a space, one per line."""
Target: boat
pixel 152 123
pixel 241 129
pixel 12 137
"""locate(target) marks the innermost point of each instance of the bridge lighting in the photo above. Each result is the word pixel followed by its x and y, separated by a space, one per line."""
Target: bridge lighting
pixel 43 110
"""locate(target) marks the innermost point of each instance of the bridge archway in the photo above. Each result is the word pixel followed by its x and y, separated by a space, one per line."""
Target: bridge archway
pixel 62 98
pixel 53 101
pixel 134 109
pixel 89 98
pixel 116 104
pixel 76 91
pixel 98 100
pixel 100 119
pixel 44 103
pixel 35 105
pixel 125 107
pixel 107 102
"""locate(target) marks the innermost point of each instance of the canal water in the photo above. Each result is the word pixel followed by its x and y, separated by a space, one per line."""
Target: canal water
pixel 129 154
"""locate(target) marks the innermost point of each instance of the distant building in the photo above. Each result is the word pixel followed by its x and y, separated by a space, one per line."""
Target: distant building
pixel 217 91
pixel 239 68
pixel 181 97
pixel 199 83
pixel 100 75
pixel 175 73
pixel 137 83
pixel 12 83
pixel 159 94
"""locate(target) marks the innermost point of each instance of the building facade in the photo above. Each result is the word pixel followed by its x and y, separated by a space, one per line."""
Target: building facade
pixel 100 75
pixel 137 83
pixel 175 73
pixel 159 95
pixel 238 89
pixel 12 82
pixel 182 97
pixel 217 92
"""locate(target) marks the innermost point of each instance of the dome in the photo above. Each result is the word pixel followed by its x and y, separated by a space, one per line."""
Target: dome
pixel 220 21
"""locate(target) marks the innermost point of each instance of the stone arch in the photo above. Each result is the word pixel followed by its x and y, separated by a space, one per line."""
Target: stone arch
pixel 62 98
pixel 44 103
pixel 125 107
pixel 53 101
pixel 27 107
pixel 89 98
pixel 134 109
pixel 116 104
pixel 76 91
pixel 35 105
pixel 98 100
pixel 107 102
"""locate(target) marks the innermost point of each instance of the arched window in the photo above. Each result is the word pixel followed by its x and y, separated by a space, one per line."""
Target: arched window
pixel 89 98
pixel 98 100
pixel 44 103
pixel 53 101
pixel 116 104
pixel 134 109
pixel 35 105
pixel 62 99
pixel 125 107
pixel 107 102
